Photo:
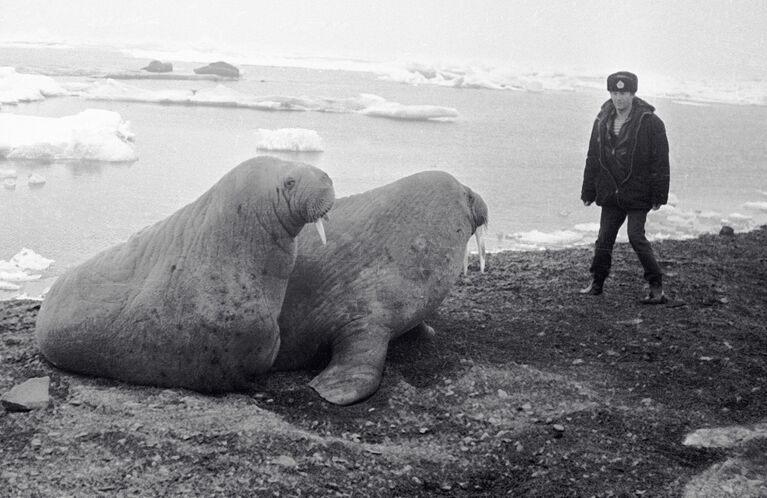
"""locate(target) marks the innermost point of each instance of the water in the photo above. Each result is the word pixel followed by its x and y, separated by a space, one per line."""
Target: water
pixel 522 152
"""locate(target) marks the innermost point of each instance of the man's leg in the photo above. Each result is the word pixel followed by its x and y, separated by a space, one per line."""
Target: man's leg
pixel 610 222
pixel 643 250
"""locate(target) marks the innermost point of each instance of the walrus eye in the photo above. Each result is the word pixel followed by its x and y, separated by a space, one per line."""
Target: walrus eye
pixel 290 183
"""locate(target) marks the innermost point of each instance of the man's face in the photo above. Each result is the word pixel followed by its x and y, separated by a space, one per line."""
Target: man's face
pixel 621 100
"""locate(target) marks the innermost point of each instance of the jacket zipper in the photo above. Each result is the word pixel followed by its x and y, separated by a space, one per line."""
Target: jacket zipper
pixel 631 163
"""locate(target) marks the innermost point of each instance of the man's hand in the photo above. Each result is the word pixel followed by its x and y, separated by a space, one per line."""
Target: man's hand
pixel 655 207
pixel 587 203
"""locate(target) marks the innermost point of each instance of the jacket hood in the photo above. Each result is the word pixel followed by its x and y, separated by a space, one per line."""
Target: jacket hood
pixel 638 106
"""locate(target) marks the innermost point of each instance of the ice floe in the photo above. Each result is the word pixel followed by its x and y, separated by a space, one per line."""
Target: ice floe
pixel 24 266
pixel 17 87
pixel 756 205
pixel 669 222
pixel 394 110
pixel 289 139
pixel 92 134
pixel 224 96
pixel 35 179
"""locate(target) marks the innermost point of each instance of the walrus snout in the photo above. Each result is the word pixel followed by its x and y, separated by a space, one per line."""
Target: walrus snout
pixel 320 197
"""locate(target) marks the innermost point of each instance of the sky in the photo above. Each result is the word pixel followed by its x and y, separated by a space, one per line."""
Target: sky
pixel 716 38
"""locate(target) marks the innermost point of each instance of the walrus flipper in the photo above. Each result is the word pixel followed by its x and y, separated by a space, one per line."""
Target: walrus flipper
pixel 355 371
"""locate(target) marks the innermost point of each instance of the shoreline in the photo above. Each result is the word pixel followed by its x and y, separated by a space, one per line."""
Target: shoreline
pixel 472 250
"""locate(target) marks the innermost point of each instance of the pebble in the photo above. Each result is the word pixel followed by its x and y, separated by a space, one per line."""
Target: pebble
pixel 29 395
pixel 285 461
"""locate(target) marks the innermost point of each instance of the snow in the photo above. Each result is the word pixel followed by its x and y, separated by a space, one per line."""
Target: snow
pixel 224 96
pixel 16 87
pixel 19 268
pixel 493 77
pixel 92 134
pixel 289 139
pixel 759 206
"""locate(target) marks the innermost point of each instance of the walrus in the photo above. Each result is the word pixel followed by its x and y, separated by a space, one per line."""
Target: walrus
pixel 219 68
pixel 392 256
pixel 193 300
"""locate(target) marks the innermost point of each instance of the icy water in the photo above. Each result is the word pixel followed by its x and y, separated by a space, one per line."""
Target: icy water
pixel 523 152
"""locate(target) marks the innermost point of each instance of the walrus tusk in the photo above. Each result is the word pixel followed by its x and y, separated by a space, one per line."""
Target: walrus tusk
pixel 321 230
pixel 479 236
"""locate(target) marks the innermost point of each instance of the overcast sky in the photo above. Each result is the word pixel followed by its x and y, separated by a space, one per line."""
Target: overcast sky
pixel 719 38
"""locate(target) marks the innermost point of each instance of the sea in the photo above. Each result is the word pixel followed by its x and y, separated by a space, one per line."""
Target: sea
pixel 521 147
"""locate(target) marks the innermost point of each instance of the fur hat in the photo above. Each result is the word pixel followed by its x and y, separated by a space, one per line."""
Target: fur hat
pixel 622 81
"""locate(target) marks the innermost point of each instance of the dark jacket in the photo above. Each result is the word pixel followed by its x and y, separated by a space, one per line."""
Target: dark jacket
pixel 642 178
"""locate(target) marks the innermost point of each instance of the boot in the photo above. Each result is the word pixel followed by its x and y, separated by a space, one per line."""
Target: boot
pixel 655 296
pixel 594 288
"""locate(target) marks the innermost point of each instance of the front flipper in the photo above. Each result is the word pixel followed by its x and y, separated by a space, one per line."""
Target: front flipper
pixel 356 367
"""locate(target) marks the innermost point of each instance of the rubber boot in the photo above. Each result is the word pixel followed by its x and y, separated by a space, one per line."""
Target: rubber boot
pixel 594 288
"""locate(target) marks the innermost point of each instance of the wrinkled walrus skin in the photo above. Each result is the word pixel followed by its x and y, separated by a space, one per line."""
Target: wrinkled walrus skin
pixel 193 300
pixel 392 256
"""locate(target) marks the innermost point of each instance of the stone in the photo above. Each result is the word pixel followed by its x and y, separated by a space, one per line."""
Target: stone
pixel 285 461
pixel 31 394
pixel 727 231
pixel 219 68
pixel 158 67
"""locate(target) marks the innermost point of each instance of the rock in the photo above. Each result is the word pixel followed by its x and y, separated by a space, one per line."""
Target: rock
pixel 527 407
pixel 219 68
pixel 726 231
pixel 159 67
pixel 29 395
pixel 285 461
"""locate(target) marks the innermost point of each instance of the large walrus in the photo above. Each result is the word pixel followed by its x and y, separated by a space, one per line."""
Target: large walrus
pixel 193 300
pixel 392 256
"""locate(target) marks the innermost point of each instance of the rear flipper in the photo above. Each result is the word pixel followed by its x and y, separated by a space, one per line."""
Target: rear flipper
pixel 356 367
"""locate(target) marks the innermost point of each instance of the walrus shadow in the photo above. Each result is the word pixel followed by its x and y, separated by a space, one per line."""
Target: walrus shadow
pixel 422 361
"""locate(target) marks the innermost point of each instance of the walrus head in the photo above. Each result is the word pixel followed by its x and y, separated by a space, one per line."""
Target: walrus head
pixel 478 216
pixel 308 194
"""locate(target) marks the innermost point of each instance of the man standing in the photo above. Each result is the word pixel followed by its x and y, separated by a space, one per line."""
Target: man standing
pixel 627 174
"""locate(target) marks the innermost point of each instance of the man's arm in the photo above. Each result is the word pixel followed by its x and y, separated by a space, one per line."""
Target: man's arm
pixel 659 167
pixel 590 172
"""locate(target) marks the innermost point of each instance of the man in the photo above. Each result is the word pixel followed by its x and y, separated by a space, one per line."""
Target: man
pixel 627 174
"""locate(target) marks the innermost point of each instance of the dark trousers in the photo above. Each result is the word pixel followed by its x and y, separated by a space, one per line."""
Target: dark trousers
pixel 610 222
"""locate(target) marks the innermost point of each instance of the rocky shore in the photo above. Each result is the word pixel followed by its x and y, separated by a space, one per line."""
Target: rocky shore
pixel 527 389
